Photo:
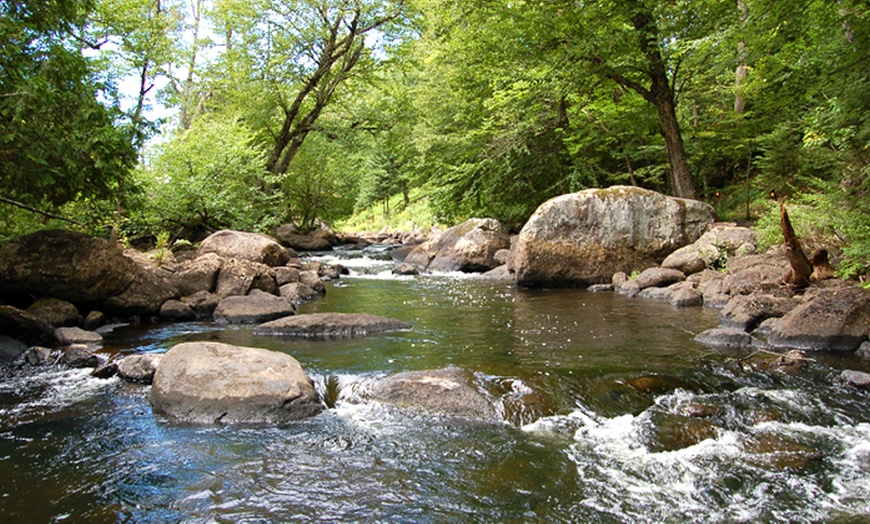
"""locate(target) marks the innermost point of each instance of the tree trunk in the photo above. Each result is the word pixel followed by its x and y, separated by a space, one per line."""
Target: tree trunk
pixel 801 269
pixel 661 96
pixel 681 174
pixel 740 73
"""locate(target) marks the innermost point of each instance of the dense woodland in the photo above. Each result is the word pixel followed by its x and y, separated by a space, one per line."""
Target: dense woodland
pixel 168 119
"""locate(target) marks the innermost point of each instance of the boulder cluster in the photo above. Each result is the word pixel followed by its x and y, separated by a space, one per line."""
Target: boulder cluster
pixel 62 289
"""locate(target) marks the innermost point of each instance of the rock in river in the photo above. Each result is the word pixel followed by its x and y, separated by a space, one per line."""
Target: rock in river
pixel 448 391
pixel 329 325
pixel 211 383
pixel 583 238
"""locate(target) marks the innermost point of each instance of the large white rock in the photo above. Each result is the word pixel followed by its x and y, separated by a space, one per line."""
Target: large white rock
pixel 584 238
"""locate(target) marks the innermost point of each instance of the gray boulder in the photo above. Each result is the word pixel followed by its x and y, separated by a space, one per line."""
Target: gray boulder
pixel 754 273
pixel 298 293
pixel 177 310
pixel 146 293
pixel 80 356
pixel 858 379
pixel 686 296
pixel 202 303
pixel 304 242
pixel 330 325
pixel 139 368
pixel 254 308
pixel 57 312
pixel 239 276
pixel 469 247
pixel 829 319
pixel 23 326
pixel 211 383
pixel 10 350
pixel 255 247
pixel 75 335
pixel 583 238
pixel 727 338
pixel 198 274
pixel 448 391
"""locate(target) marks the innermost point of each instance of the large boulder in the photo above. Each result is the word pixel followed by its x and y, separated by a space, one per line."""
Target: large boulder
pixel 25 327
pixel 584 238
pixel 238 276
pixel 66 265
pixel 448 391
pixel 257 307
pixel 198 274
pixel 469 247
pixel 211 383
pixel 146 293
pixel 57 312
pixel 255 247
pixel 829 319
pixel 328 325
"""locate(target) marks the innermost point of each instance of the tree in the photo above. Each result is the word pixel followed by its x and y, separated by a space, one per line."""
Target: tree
pixel 58 141
pixel 296 55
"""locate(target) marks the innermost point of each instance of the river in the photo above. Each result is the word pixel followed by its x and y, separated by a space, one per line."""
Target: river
pixel 612 413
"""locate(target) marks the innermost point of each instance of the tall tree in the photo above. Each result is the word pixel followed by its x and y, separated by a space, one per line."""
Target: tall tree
pixel 58 142
pixel 297 54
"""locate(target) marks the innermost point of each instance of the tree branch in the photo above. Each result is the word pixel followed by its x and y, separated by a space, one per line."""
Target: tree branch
pixel 38 211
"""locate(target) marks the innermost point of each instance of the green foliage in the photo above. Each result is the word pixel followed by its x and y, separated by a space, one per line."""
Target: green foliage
pixel 58 143
pixel 205 178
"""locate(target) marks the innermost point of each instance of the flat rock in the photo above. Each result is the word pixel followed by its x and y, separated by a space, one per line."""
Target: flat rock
pixel 212 383
pixel 448 391
pixel 254 308
pixel 75 335
pixel 330 325
pixel 830 320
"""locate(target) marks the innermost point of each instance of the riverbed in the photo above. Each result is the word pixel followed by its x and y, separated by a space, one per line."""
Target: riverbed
pixel 611 412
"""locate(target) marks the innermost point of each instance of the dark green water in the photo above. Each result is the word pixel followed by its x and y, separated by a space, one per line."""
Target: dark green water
pixel 612 414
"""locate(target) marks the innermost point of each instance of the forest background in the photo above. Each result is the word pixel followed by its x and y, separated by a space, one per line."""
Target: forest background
pixel 169 119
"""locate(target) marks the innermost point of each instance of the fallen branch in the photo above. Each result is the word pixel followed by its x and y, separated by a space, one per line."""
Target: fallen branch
pixel 39 211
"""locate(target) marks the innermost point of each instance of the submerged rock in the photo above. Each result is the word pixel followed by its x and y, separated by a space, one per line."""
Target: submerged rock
pixel 211 383
pixel 448 391
pixel 329 325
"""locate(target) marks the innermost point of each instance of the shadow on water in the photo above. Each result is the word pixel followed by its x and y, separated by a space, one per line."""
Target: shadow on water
pixel 612 414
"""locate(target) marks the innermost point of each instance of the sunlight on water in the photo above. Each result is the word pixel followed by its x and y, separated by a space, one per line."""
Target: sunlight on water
pixel 611 413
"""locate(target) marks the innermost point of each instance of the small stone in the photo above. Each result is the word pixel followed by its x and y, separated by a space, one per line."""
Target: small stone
pixel 75 335
pixel 859 379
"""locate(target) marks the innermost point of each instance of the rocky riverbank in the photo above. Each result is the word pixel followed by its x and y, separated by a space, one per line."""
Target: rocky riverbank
pixel 60 289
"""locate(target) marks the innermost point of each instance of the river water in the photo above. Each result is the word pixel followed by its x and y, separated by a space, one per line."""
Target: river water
pixel 612 413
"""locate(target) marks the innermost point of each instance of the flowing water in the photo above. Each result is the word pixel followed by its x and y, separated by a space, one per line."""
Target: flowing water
pixel 612 413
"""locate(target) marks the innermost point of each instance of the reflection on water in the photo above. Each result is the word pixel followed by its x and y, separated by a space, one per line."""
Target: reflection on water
pixel 612 414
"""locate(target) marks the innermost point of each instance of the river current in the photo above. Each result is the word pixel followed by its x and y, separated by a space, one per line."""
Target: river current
pixel 612 413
